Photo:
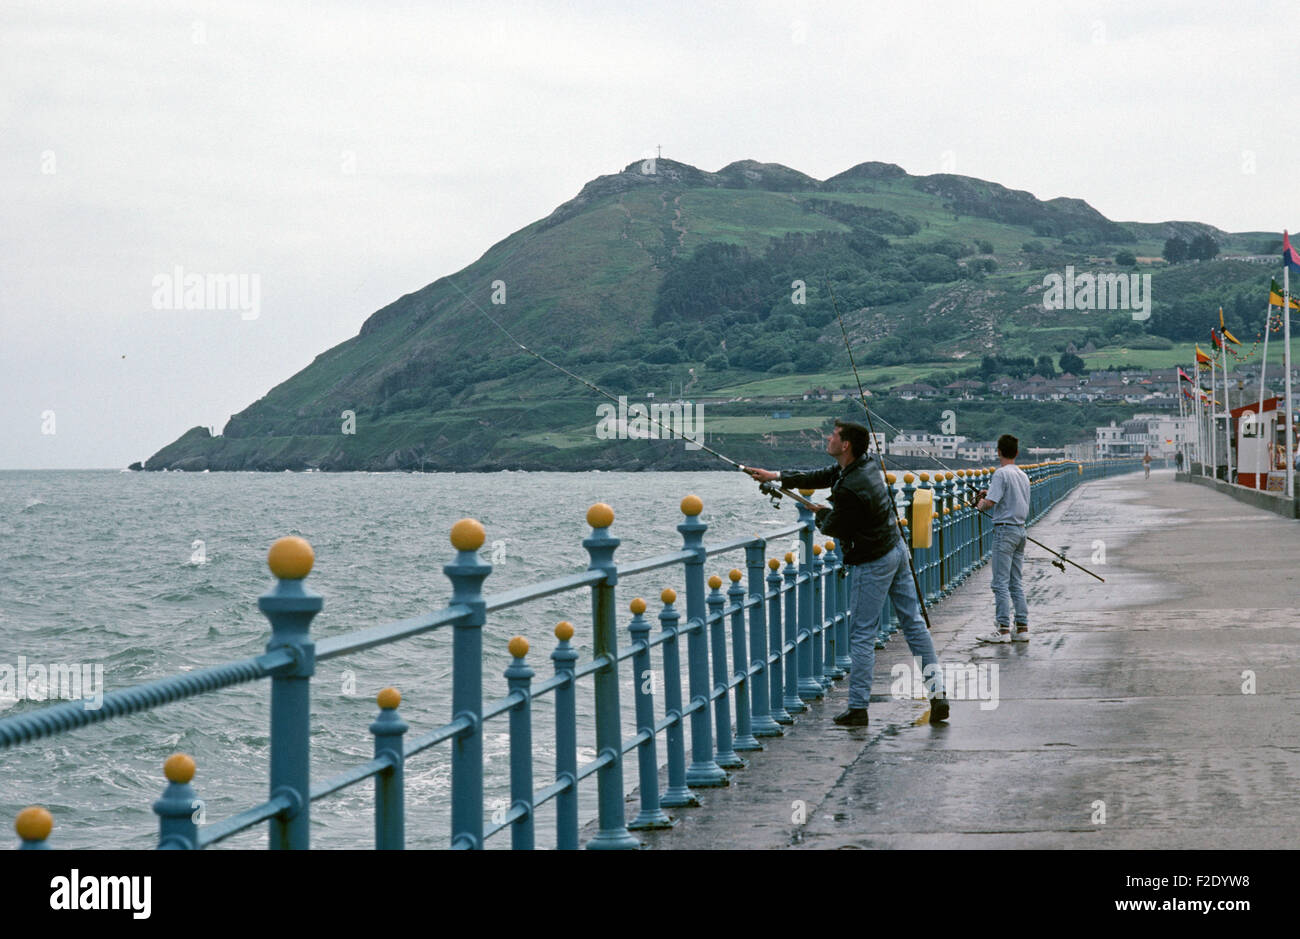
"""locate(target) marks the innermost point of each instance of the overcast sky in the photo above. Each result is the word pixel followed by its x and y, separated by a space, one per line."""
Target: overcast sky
pixel 348 153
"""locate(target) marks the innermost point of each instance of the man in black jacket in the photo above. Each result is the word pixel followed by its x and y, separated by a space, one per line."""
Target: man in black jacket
pixel 862 520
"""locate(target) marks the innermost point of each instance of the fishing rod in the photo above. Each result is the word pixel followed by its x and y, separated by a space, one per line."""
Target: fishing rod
pixel 971 503
pixel 871 441
pixel 578 378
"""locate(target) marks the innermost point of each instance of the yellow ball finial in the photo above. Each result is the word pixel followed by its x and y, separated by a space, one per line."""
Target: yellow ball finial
pixel 692 506
pixel 908 479
pixel 290 558
pixel 389 698
pixel 637 606
pixel 773 563
pixel 806 492
pixel 179 768
pixel 789 557
pixel 891 478
pixel 923 476
pixel 564 630
pixel 34 823
pixel 600 515
pixel 948 475
pixel 669 595
pixel 714 581
pixel 735 575
pixel 467 535
pixel 961 473
pixel 817 549
pixel 518 647
pixel 830 545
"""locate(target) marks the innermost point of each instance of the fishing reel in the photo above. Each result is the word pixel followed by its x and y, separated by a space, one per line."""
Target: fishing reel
pixel 772 491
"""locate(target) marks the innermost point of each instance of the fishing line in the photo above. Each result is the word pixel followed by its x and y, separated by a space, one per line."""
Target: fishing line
pixel 579 378
pixel 872 442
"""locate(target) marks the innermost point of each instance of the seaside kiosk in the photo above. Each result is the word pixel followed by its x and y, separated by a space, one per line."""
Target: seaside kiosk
pixel 1260 443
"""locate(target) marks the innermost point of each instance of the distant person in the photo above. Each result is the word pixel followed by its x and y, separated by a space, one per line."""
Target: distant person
pixel 1146 463
pixel 864 524
pixel 1178 460
pixel 1008 497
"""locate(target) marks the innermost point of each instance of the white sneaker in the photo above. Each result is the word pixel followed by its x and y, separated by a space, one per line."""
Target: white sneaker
pixel 1021 634
pixel 1002 635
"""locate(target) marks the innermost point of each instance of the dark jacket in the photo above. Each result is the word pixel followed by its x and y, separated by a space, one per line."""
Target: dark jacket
pixel 861 517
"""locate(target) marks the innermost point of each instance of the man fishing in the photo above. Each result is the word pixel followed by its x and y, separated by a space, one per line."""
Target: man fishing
pixel 1008 496
pixel 862 520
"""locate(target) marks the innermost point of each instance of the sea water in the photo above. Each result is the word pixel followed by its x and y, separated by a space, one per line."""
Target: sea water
pixel 146 575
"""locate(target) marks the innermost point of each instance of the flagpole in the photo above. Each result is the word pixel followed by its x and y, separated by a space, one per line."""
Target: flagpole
pixel 1214 426
pixel 1180 432
pixel 1201 422
pixel 1259 412
pixel 1227 402
pixel 1286 359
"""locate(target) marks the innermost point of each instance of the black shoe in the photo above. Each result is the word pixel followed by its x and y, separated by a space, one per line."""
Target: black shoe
pixel 938 710
pixel 853 717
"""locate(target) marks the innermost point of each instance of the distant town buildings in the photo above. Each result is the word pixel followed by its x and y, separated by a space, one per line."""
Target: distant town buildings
pixel 1158 434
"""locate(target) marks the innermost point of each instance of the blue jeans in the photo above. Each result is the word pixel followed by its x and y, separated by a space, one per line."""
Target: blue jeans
pixel 888 576
pixel 1008 559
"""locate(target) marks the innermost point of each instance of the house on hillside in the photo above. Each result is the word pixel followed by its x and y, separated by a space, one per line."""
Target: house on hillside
pixel 964 389
pixel 914 390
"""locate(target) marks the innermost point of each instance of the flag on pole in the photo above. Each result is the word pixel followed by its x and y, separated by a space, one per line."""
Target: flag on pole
pixel 1288 254
pixel 1231 338
pixel 1220 317
pixel 1182 374
pixel 1214 337
pixel 1275 296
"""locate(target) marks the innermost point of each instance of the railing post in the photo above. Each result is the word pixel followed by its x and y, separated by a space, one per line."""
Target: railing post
pixel 467 574
pixel 650 816
pixel 947 575
pixel 677 794
pixel 703 771
pixel 923 556
pixel 745 739
pixel 600 546
pixel 810 689
pixel 776 644
pixel 566 741
pixel 178 806
pixel 390 785
pixel 840 590
pixel 793 702
pixel 762 723
pixel 290 608
pixel 519 679
pixel 726 756
pixel 821 634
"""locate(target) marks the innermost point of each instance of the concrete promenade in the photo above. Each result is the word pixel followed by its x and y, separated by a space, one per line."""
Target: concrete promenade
pixel 1121 724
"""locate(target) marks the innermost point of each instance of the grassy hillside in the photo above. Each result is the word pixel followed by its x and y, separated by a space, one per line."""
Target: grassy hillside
pixel 717 284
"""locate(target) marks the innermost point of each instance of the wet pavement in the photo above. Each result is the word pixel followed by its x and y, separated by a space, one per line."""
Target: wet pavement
pixel 1156 710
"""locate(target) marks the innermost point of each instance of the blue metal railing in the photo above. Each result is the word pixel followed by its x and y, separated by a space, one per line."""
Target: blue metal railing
pixel 789 642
